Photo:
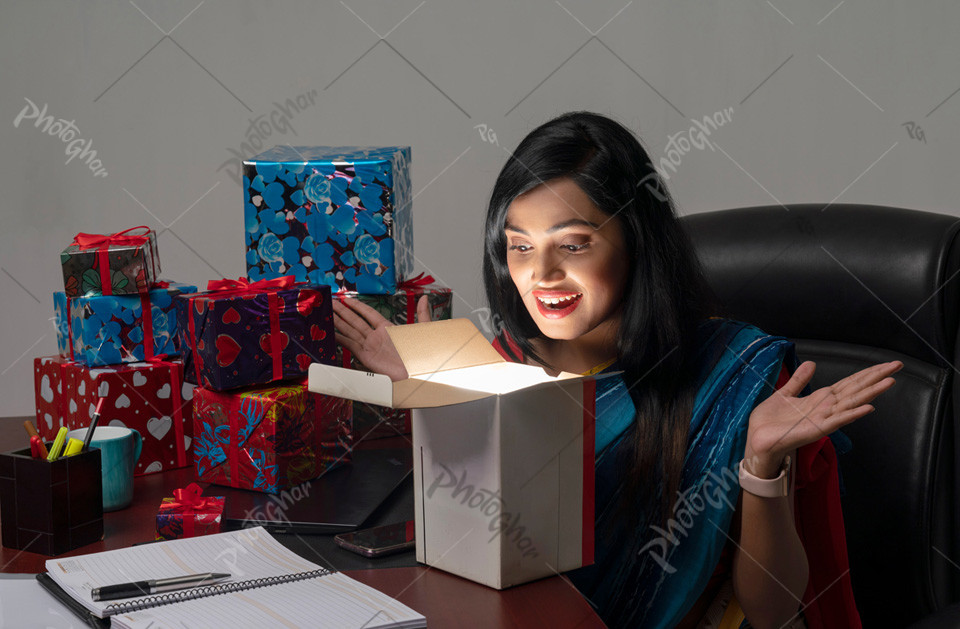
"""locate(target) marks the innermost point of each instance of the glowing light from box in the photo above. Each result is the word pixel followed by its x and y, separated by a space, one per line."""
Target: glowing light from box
pixel 494 377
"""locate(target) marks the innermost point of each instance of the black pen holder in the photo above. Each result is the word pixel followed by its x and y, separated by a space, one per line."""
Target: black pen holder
pixel 50 507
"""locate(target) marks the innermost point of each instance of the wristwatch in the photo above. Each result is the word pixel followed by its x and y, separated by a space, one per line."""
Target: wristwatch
pixel 767 487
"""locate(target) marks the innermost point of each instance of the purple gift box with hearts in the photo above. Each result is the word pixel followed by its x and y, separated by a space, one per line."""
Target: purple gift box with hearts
pixel 243 334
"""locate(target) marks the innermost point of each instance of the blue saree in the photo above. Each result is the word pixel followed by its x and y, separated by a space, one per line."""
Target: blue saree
pixel 651 576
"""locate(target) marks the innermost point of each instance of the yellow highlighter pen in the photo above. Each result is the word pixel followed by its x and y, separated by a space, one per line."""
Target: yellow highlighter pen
pixel 57 446
pixel 74 446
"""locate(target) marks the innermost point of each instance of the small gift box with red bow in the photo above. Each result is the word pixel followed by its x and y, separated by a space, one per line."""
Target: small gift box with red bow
pixel 108 330
pixel 150 398
pixel 124 263
pixel 269 438
pixel 240 333
pixel 188 514
pixel 369 420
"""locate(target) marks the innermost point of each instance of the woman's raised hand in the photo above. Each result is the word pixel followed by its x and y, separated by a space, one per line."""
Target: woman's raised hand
pixel 784 422
pixel 363 331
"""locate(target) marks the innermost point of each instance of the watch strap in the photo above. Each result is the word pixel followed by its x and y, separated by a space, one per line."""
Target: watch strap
pixel 767 487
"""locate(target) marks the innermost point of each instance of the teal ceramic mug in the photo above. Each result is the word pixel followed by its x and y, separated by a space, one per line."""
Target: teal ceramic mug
pixel 119 452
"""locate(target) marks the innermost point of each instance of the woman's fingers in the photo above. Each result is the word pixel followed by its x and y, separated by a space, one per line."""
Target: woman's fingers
pixel 847 417
pixel 349 315
pixel 423 309
pixel 867 377
pixel 854 398
pixel 799 379
pixel 368 314
pixel 345 329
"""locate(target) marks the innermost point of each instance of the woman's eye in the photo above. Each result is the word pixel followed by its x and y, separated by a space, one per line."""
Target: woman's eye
pixel 520 248
pixel 575 248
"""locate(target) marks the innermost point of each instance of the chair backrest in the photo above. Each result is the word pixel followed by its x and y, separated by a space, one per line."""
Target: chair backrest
pixel 853 285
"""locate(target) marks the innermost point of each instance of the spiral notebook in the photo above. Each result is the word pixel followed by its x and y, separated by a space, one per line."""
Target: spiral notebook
pixel 270 586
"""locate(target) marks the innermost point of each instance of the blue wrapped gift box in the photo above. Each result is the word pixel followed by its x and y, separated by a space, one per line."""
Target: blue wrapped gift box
pixel 99 330
pixel 334 216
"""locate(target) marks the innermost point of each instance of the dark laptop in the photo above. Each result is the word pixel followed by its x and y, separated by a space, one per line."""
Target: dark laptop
pixel 338 501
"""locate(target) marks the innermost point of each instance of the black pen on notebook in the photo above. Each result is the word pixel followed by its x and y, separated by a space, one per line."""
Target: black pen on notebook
pixel 154 586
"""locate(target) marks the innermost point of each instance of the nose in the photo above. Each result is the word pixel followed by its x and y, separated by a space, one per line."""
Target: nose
pixel 548 267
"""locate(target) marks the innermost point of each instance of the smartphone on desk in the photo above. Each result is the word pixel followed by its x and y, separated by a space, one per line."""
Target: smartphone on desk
pixel 379 540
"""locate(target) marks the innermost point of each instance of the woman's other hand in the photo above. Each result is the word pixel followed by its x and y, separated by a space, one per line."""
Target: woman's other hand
pixel 363 331
pixel 784 422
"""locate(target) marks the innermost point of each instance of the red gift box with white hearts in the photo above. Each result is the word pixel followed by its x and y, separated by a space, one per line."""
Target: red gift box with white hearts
pixel 150 398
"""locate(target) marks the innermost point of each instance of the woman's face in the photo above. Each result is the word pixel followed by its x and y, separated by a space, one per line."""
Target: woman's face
pixel 568 259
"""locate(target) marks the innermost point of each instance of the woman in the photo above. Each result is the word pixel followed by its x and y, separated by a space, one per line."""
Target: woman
pixel 590 271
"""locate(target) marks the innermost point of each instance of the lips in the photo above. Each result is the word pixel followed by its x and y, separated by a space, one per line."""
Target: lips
pixel 556 304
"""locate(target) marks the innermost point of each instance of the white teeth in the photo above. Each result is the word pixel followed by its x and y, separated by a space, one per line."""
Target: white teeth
pixel 553 301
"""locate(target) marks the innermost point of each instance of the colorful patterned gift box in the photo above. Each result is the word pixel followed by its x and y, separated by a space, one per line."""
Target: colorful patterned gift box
pixel 338 216
pixel 269 438
pixel 124 263
pixel 240 334
pixel 188 514
pixel 61 319
pixel 369 420
pixel 150 398
pixel 109 330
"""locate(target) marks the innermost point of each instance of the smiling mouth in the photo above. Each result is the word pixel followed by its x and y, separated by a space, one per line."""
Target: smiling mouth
pixel 557 305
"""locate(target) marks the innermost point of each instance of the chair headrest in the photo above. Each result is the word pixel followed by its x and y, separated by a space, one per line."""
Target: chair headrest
pixel 876 276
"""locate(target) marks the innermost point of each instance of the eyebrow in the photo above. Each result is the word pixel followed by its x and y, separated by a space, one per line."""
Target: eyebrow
pixel 565 224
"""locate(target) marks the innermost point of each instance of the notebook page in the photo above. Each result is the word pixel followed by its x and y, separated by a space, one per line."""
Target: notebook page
pixel 244 554
pixel 334 600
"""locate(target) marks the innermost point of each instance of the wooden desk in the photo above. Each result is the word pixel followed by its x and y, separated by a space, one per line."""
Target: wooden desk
pixel 446 600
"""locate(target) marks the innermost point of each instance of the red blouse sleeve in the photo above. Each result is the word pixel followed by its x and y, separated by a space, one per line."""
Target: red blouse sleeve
pixel 828 600
pixel 511 344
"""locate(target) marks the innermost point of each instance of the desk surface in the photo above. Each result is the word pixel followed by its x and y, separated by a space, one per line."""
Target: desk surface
pixel 445 599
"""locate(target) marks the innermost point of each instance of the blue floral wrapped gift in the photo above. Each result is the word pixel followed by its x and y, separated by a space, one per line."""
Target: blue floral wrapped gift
pixel 336 216
pixel 62 319
pixel 100 330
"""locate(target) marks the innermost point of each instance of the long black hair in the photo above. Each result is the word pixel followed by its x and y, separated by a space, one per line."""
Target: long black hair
pixel 664 299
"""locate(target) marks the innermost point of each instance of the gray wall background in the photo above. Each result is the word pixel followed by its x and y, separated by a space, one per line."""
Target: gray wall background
pixel 832 101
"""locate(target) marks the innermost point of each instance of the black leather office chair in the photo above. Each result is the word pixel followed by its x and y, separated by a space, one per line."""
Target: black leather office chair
pixel 853 285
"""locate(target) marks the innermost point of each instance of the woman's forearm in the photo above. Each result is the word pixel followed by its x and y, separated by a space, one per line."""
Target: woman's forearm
pixel 770 568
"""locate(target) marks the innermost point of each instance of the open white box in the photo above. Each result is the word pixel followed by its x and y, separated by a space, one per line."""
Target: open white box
pixel 503 453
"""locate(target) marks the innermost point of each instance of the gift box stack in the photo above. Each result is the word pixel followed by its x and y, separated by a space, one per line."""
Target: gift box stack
pixel 248 346
pixel 341 217
pixel 117 339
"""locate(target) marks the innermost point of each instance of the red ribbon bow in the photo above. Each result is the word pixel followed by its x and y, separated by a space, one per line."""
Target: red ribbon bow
pixel 88 241
pixel 189 498
pixel 418 281
pixel 244 285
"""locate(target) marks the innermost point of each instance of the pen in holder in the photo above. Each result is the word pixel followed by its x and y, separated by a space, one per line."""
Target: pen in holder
pixel 50 507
